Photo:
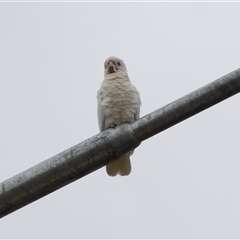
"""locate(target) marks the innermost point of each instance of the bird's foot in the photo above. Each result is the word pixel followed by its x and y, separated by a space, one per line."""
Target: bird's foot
pixel 113 125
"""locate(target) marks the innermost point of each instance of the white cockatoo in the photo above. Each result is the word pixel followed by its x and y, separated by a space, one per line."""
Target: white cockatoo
pixel 118 102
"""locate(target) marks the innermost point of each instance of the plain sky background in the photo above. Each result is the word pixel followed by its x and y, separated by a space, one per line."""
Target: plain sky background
pixel 185 181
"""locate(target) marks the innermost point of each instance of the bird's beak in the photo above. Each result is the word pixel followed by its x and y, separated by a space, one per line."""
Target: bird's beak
pixel 111 68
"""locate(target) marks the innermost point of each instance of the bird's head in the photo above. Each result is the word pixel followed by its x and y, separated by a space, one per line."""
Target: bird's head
pixel 114 65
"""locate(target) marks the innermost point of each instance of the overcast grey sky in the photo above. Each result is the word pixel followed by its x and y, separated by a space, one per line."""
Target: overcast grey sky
pixel 185 181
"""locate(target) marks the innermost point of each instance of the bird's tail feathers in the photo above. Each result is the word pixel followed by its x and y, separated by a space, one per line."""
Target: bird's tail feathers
pixel 121 166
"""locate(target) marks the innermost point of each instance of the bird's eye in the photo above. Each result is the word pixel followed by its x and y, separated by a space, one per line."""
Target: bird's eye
pixel 119 64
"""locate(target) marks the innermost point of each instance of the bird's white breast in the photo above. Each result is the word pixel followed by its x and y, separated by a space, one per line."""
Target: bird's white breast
pixel 118 102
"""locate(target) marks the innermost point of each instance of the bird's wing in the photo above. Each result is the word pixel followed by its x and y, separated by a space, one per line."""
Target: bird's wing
pixel 101 117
